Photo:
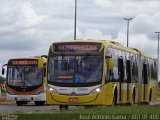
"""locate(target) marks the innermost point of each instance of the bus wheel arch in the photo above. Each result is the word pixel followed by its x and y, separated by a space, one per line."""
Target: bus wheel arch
pixel 133 96
pixel 150 95
pixel 114 102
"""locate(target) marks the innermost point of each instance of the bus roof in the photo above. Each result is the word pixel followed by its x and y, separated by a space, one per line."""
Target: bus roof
pixel 112 43
pixel 29 58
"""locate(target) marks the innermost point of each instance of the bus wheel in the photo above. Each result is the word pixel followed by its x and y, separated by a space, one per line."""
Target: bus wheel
pixel 150 97
pixel 133 97
pixel 39 103
pixel 60 107
pixel 66 107
pixel 19 103
pixel 114 99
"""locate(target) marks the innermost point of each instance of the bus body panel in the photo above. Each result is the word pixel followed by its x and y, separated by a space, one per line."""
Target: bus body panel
pixel 92 99
pixel 65 96
pixel 34 83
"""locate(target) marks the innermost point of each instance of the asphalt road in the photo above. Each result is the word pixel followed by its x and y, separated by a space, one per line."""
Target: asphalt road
pixel 26 109
pixel 12 108
pixel 157 102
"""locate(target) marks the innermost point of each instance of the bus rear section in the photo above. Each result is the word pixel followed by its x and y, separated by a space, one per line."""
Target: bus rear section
pixel 75 73
pixel 25 81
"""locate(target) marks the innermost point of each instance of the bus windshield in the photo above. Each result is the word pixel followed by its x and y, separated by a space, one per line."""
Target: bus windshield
pixel 24 76
pixel 75 69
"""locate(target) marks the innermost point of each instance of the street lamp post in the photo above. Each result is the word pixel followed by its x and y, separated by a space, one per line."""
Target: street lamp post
pixel 128 19
pixel 75 20
pixel 158 55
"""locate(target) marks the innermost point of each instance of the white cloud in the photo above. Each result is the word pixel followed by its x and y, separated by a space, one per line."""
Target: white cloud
pixel 140 41
pixel 96 34
pixel 103 3
pixel 28 27
pixel 142 33
pixel 124 8
pixel 27 17
pixel 145 23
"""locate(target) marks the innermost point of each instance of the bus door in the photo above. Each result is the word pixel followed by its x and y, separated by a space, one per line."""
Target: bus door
pixel 145 80
pixel 121 76
pixel 128 72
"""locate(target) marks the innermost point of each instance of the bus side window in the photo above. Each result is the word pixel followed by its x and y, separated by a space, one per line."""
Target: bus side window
pixel 115 66
pixel 155 71
pixel 109 69
pixel 107 76
pixel 128 68
pixel 145 71
pixel 136 69
pixel 121 70
pixel 148 67
pixel 109 65
pixel 125 57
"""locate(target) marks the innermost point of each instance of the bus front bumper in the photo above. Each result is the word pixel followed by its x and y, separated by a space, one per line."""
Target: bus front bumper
pixel 92 99
pixel 39 97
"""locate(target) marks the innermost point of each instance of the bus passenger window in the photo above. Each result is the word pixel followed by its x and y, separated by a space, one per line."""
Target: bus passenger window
pixel 128 69
pixel 115 66
pixel 155 71
pixel 109 72
pixel 121 70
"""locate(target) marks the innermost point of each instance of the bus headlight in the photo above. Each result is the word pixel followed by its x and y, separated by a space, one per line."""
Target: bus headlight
pixel 52 90
pixel 96 90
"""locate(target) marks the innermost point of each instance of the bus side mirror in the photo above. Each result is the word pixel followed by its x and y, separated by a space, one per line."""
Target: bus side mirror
pixel 110 63
pixel 40 63
pixel 3 71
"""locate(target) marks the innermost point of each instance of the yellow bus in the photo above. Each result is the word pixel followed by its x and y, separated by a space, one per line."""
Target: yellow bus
pixel 99 72
pixel 25 82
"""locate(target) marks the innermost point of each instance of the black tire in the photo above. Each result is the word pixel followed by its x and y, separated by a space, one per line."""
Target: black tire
pixel 66 107
pixel 60 107
pixel 150 97
pixel 114 102
pixel 39 103
pixel 133 97
pixel 19 103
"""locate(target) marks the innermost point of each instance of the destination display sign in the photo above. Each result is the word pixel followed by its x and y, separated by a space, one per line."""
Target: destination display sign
pixel 23 62
pixel 77 47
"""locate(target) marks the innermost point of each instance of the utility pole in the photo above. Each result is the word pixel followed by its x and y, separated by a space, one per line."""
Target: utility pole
pixel 75 20
pixel 128 19
pixel 158 55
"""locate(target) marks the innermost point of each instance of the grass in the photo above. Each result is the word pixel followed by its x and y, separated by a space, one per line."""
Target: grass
pixel 3 100
pixel 121 110
pixel 3 94
pixel 93 112
pixel 135 112
pixel 3 97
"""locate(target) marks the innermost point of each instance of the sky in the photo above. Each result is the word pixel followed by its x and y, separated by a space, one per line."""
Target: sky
pixel 28 27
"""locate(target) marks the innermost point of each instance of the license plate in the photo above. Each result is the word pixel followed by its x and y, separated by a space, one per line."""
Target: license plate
pixel 73 100
pixel 23 99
